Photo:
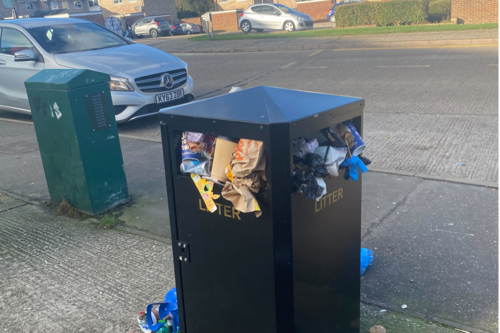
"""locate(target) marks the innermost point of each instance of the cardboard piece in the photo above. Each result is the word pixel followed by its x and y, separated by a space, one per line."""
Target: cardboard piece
pixel 222 157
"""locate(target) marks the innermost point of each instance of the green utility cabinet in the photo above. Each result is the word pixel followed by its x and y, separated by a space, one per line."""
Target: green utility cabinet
pixel 78 139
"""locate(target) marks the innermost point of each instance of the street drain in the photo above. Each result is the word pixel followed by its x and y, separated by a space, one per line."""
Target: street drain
pixel 19 147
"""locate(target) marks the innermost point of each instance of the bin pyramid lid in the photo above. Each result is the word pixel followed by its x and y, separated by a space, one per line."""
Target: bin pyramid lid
pixel 265 105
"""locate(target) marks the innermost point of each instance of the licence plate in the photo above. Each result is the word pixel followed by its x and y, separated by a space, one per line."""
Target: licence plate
pixel 169 96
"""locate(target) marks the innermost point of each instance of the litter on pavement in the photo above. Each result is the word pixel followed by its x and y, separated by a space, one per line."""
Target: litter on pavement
pixel 366 259
pixel 161 317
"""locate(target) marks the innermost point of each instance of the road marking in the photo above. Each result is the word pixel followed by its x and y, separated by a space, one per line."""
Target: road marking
pixel 319 51
pixel 323 67
pixel 409 66
pixel 492 64
pixel 141 138
pixel 418 47
pixel 17 121
pixel 290 64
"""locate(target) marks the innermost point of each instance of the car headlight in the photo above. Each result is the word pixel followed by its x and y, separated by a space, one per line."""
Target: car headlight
pixel 186 67
pixel 299 18
pixel 120 84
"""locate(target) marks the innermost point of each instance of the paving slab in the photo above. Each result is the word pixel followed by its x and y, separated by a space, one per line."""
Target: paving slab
pixel 437 253
pixel 63 275
pixel 8 203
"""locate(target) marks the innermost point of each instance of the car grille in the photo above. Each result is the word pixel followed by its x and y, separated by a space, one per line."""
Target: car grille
pixel 151 83
pixel 309 23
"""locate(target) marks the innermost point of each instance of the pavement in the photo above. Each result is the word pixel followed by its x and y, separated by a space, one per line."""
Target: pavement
pixel 427 39
pixel 435 246
pixel 64 275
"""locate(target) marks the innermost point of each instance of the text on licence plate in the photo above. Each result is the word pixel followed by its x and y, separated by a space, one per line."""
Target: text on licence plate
pixel 169 96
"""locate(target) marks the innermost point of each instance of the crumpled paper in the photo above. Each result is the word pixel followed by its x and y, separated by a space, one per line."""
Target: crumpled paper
pixel 247 169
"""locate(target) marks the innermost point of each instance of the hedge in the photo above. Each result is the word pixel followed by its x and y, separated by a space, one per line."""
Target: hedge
pixel 401 12
pixel 439 10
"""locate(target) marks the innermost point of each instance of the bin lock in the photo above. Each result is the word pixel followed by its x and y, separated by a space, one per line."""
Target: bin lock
pixel 184 251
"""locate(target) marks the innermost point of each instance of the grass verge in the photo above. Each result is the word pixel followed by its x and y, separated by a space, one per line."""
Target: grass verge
pixel 353 31
pixel 108 222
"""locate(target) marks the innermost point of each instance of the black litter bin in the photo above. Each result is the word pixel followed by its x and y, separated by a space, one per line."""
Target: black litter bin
pixel 296 268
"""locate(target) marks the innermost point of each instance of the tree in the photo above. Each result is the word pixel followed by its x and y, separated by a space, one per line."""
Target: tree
pixel 190 8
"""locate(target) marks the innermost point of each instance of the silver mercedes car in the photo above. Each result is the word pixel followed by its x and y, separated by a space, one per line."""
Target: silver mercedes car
pixel 143 79
pixel 273 16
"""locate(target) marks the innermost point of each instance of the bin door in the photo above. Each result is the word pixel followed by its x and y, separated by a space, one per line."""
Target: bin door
pixel 228 283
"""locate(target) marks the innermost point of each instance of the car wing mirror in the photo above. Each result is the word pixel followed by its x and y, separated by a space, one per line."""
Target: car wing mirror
pixel 25 55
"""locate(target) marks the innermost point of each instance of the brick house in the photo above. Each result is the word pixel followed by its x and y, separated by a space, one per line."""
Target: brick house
pixel 474 11
pixel 27 8
pixel 132 10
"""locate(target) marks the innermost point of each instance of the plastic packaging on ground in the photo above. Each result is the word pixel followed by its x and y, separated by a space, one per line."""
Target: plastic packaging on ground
pixel 366 259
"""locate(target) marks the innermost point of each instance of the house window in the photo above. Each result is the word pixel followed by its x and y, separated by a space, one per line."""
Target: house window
pixel 93 3
pixel 117 2
pixel 30 6
pixel 223 1
pixel 7 4
pixel 78 5
pixel 64 5
pixel 131 1
pixel 54 5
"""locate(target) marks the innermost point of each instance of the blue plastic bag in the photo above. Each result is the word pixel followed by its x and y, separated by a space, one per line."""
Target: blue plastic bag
pixel 171 300
pixel 366 259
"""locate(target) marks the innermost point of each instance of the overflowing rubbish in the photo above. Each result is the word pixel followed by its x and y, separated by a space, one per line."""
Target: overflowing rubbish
pixel 205 188
pixel 224 148
pixel 305 184
pixel 161 317
pixel 366 259
pixel 238 164
pixel 351 165
pixel 247 171
pixel 338 149
pixel 332 158
pixel 404 306
pixel 302 147
pixel 358 146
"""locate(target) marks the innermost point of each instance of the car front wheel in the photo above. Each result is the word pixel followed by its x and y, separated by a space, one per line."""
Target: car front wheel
pixel 246 27
pixel 289 26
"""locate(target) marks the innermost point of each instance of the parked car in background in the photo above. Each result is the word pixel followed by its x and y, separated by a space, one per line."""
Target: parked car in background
pixel 176 30
pixel 331 12
pixel 190 28
pixel 150 26
pixel 143 79
pixel 273 16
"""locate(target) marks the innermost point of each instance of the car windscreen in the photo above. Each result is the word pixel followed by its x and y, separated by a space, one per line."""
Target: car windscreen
pixel 284 8
pixel 76 37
